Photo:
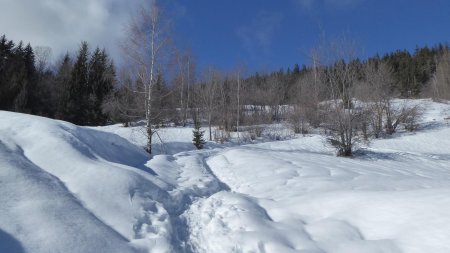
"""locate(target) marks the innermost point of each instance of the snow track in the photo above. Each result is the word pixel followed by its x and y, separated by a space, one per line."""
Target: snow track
pixel 192 181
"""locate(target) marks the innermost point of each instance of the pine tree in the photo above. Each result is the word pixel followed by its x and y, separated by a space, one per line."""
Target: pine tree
pixel 198 139
pixel 159 101
pixel 6 52
pixel 23 79
pixel 62 84
pixel 75 110
pixel 32 99
pixel 101 82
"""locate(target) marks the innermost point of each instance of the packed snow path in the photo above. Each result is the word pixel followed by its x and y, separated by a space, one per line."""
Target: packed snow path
pixel 73 189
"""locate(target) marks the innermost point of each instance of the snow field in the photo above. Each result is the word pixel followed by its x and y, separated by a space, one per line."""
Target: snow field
pixel 75 189
pixel 392 197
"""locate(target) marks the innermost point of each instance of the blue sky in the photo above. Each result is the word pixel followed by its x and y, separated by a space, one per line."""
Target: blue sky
pixel 259 34
pixel 271 34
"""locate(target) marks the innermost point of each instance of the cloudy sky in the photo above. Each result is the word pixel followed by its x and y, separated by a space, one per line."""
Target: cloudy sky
pixel 63 24
pixel 262 34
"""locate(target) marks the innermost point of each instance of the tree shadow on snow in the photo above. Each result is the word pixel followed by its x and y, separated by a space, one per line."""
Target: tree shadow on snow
pixel 364 154
pixel 111 147
pixel 9 244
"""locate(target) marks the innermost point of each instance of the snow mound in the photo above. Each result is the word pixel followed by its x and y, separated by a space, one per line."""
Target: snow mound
pixel 42 214
pixel 73 189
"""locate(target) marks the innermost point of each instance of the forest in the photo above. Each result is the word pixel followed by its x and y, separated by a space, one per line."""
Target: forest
pixel 162 86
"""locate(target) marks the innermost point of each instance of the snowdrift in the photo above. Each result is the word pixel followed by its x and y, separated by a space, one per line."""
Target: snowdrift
pixel 66 188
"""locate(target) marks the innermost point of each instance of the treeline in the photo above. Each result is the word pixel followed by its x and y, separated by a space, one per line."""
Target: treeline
pixel 263 97
pixel 74 90
pixel 350 100
pixel 421 74
pixel 86 90
pixel 18 77
pixel 412 72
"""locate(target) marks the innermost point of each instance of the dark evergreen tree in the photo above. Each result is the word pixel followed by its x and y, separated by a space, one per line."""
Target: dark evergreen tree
pixel 74 92
pixel 6 56
pixel 296 70
pixel 62 85
pixel 32 96
pixel 75 109
pixel 159 101
pixel 198 140
pixel 100 84
pixel 23 78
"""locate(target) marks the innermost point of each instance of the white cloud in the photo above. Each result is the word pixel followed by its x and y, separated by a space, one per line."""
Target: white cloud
pixel 63 24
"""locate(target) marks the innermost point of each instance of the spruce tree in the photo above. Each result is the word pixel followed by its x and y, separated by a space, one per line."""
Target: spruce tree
pixel 32 99
pixel 198 140
pixel 62 85
pixel 97 67
pixel 101 83
pixel 159 101
pixel 23 78
pixel 75 109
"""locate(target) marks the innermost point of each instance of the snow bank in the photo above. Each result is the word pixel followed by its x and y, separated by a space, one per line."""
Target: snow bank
pixel 66 188
pixel 41 215
pixel 171 140
pixel 74 189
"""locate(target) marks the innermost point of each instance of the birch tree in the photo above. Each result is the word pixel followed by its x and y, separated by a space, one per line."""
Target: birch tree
pixel 184 79
pixel 208 95
pixel 147 39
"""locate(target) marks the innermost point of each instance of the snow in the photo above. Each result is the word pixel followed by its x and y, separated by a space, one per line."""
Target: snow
pixel 66 188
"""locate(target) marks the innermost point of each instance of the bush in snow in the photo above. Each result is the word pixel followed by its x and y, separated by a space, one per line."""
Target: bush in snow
pixel 343 128
pixel 404 114
pixel 221 135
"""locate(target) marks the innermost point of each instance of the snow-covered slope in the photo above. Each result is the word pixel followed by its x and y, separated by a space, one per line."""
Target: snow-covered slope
pixel 72 189
pixel 296 196
pixel 65 188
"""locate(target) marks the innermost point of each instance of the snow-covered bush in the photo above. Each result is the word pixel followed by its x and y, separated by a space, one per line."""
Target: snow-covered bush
pixel 221 135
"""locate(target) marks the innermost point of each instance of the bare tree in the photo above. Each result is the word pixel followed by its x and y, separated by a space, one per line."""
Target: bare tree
pixel 238 99
pixel 303 103
pixel 403 113
pixel 208 95
pixel 376 92
pixel 147 38
pixel 275 92
pixel 43 56
pixel 441 79
pixel 184 78
pixel 125 104
pixel 339 74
